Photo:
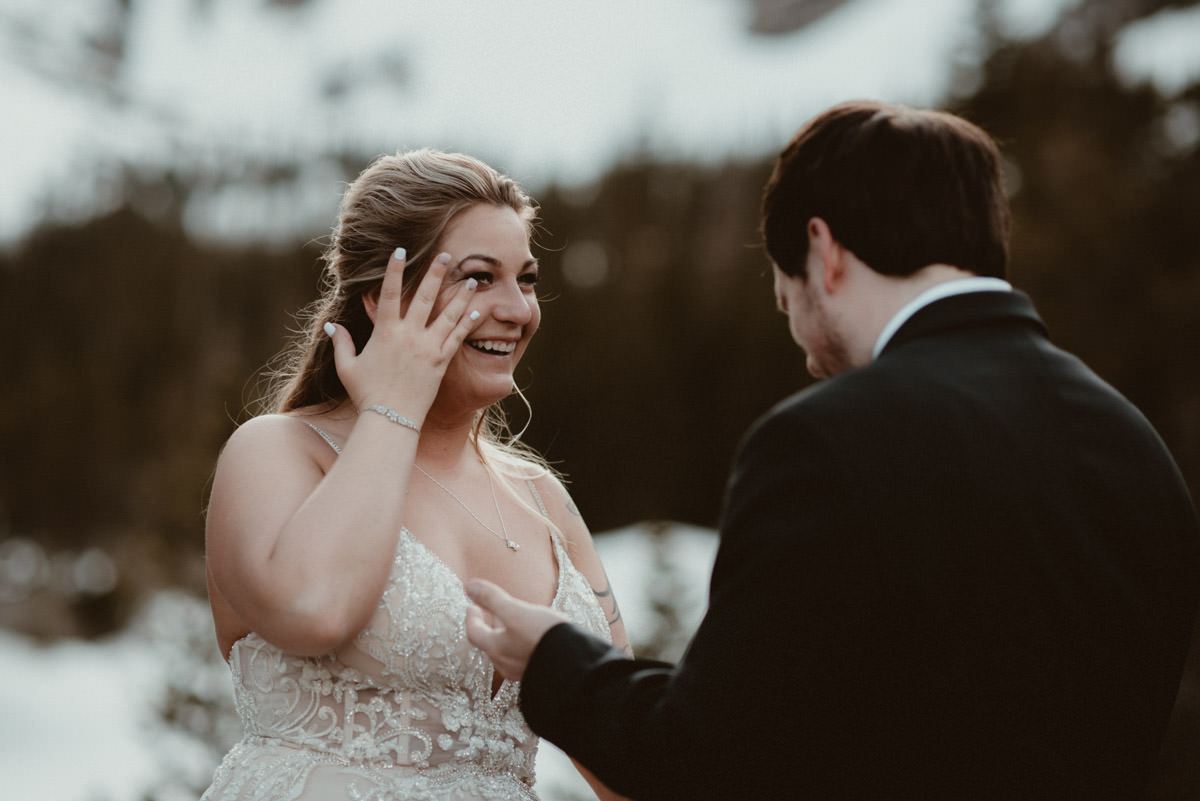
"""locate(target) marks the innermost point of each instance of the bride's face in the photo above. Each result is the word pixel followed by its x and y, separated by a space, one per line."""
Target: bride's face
pixel 490 244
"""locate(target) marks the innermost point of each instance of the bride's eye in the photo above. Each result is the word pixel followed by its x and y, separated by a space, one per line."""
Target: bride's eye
pixel 482 277
pixel 529 279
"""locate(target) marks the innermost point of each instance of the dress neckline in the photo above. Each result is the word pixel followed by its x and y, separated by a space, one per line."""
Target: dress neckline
pixel 495 691
pixel 556 549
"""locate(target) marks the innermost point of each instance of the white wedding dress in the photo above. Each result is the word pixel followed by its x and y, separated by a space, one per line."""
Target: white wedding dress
pixel 405 712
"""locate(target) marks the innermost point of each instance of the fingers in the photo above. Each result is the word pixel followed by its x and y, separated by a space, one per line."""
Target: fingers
pixel 516 628
pixel 392 290
pixel 453 323
pixel 502 647
pixel 427 291
pixel 479 633
pixel 489 597
pixel 519 619
pixel 343 346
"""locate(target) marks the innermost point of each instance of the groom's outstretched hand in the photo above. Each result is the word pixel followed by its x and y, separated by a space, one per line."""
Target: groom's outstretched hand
pixel 514 629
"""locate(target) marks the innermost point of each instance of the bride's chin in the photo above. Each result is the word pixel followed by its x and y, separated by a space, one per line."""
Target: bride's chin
pixel 475 400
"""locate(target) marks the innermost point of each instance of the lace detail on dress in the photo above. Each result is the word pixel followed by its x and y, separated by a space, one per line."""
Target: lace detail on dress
pixel 405 712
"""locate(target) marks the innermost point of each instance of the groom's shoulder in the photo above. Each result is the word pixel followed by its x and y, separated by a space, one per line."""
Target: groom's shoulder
pixel 824 407
pixel 850 404
pixel 863 388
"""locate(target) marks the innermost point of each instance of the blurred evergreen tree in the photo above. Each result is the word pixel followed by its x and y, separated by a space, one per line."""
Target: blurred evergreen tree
pixel 136 346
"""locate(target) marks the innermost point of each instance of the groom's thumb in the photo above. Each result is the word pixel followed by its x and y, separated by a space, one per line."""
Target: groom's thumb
pixel 488 596
pixel 479 633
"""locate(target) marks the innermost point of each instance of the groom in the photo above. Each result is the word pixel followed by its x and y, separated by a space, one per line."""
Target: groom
pixel 963 567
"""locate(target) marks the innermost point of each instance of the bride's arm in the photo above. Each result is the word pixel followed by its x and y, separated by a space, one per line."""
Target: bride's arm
pixel 566 515
pixel 301 555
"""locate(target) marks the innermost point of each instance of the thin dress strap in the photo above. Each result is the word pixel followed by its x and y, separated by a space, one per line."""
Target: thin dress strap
pixel 537 496
pixel 325 437
pixel 555 536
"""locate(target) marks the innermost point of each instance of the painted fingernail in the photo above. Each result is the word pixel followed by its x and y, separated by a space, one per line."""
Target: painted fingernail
pixel 474 315
pixel 329 329
pixel 471 284
pixel 444 258
pixel 399 254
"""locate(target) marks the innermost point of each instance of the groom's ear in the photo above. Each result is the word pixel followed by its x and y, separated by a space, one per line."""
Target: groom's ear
pixel 829 252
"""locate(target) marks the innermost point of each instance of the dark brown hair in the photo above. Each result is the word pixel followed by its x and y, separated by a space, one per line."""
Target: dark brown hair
pixel 901 188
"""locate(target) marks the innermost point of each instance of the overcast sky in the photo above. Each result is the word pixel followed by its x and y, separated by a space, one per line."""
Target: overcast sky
pixel 546 90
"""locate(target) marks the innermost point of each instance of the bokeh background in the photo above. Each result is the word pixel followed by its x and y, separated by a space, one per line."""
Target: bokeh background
pixel 171 169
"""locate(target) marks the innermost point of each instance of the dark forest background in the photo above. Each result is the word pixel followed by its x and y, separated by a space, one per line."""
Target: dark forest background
pixel 132 347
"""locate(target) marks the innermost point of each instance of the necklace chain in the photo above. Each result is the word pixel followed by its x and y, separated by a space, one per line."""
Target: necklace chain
pixel 507 540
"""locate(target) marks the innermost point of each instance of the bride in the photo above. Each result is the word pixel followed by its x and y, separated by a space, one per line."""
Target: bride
pixel 340 526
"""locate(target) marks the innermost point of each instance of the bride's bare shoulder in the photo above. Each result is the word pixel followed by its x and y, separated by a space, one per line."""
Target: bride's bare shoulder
pixel 266 428
pixel 291 432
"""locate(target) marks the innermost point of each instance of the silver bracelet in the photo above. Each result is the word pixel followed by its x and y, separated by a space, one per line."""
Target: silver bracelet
pixel 394 416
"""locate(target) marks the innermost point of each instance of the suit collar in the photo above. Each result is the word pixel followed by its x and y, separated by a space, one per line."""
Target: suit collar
pixel 945 289
pixel 970 309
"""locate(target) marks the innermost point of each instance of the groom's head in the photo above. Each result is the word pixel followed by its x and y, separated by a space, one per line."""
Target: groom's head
pixel 900 188
pixel 870 204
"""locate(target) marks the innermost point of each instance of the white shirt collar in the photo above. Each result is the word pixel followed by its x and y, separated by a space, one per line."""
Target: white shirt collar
pixel 958 286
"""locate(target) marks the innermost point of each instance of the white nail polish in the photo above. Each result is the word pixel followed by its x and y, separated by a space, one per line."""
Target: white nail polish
pixel 329 329
pixel 473 316
pixel 400 253
pixel 444 258
pixel 471 284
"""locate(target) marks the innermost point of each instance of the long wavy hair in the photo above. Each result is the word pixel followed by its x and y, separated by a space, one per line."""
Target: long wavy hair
pixel 406 199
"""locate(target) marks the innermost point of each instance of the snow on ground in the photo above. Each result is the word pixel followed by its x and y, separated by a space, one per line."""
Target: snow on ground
pixel 80 721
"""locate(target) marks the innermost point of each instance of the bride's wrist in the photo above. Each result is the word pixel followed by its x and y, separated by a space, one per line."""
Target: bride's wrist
pixel 392 414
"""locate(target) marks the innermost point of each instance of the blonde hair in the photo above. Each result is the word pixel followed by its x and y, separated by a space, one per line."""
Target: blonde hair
pixel 407 199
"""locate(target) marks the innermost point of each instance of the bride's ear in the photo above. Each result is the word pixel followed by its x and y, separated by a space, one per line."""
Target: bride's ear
pixel 370 301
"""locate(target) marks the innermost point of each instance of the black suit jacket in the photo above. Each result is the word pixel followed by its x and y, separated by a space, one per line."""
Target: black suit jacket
pixel 967 570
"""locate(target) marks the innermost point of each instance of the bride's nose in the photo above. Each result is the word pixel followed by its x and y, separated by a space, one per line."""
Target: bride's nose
pixel 512 304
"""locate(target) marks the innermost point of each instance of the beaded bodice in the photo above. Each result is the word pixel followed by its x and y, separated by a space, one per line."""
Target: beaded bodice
pixel 405 711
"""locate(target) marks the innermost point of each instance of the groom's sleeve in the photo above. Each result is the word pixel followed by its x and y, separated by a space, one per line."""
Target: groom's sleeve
pixel 656 732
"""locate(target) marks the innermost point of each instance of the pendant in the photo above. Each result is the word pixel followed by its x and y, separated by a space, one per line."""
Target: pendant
pixel 512 546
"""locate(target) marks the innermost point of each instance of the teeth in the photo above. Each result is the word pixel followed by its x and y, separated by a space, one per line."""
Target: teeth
pixel 494 346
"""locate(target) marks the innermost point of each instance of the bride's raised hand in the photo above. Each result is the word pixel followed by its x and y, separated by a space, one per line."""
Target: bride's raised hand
pixel 404 360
